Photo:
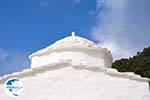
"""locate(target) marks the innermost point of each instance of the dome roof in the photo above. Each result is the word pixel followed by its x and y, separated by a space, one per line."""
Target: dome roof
pixel 71 42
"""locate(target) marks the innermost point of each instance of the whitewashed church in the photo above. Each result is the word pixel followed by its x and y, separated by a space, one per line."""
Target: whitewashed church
pixel 75 68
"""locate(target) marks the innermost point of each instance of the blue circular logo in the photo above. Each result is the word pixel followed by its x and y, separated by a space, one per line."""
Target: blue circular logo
pixel 13 87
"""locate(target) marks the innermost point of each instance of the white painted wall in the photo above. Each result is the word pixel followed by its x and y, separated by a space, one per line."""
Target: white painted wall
pixel 84 57
pixel 73 84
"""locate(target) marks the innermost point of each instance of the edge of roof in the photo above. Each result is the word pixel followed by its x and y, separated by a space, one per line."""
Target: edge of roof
pixel 50 48
pixel 108 71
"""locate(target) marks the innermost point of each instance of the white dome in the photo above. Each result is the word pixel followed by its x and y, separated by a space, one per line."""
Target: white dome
pixel 72 49
pixel 71 42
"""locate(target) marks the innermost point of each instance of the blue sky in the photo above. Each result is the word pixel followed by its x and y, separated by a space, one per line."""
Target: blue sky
pixel 29 25
pixel 32 24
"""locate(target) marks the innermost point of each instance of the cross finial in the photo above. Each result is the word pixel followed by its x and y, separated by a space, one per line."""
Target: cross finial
pixel 73 33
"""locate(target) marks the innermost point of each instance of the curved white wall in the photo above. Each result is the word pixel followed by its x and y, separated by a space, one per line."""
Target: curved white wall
pixel 86 57
pixel 71 84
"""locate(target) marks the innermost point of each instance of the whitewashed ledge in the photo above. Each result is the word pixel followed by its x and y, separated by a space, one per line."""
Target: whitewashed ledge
pixel 55 66
pixel 129 75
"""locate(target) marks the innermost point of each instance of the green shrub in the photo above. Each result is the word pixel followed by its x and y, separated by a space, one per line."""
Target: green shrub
pixel 139 64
